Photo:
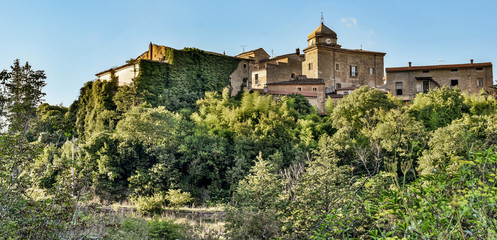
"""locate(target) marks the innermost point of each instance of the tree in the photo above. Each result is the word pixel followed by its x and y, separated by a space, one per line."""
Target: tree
pixel 322 187
pixel 439 107
pixel 254 210
pixel 20 94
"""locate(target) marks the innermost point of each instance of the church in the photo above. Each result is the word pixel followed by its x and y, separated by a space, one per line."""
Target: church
pixel 324 69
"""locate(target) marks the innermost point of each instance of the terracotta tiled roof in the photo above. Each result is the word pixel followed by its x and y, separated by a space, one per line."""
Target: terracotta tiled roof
pixel 344 49
pixel 434 67
pixel 304 81
pixel 322 30
pixel 251 51
pixel 347 88
pixel 114 69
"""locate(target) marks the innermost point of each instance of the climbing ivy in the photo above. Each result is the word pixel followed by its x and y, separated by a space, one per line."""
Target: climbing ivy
pixel 95 109
pixel 190 70
pixel 176 84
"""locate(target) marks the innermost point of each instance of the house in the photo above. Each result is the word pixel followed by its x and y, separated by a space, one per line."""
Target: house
pixel 406 82
pixel 340 67
pixel 266 70
pixel 125 74
pixel 310 88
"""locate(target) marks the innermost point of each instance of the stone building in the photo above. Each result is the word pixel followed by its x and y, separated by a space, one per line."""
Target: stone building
pixel 340 67
pixel 124 74
pixel 127 72
pixel 310 88
pixel 266 70
pixel 325 69
pixel 406 82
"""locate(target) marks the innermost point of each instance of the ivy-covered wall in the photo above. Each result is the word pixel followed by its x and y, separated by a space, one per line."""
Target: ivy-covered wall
pixel 189 72
pixel 176 84
pixel 94 111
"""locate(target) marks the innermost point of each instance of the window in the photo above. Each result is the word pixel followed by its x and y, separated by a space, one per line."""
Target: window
pixel 480 82
pixel 454 82
pixel 426 71
pixel 353 71
pixel 292 75
pixel 299 89
pixel 337 67
pixel 426 86
pixel 339 85
pixel 314 89
pixel 398 88
pixel 310 66
pixel 454 70
pixel 244 65
pixel 479 69
pixel 256 78
pixel 371 70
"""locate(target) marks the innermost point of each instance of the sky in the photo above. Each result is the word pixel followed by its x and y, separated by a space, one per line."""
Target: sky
pixel 73 40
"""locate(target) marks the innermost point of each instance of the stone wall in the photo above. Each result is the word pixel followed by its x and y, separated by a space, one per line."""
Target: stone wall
pixel 316 98
pixel 324 62
pixel 240 77
pixel 282 70
pixel 468 80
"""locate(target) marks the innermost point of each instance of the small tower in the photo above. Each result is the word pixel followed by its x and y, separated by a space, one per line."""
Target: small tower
pixel 323 36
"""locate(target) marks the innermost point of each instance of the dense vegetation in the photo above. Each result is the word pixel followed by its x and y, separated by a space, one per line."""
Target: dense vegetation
pixel 371 168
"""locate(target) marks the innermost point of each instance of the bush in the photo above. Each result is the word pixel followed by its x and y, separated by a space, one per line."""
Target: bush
pixel 150 205
pixel 177 198
pixel 135 228
pixel 163 229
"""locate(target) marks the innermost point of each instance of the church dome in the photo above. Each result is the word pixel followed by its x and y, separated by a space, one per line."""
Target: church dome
pixel 322 31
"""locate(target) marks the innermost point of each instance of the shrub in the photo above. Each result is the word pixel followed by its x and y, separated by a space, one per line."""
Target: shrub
pixel 163 229
pixel 177 198
pixel 150 205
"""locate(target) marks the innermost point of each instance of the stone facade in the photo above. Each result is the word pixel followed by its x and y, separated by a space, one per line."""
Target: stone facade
pixel 312 89
pixel 324 58
pixel 340 67
pixel 406 82
pixel 268 70
pixel 126 73
pixel 281 68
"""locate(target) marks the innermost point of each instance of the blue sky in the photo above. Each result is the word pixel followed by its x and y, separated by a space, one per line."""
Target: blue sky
pixel 73 40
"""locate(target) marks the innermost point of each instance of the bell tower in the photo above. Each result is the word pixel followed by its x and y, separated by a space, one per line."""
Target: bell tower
pixel 322 36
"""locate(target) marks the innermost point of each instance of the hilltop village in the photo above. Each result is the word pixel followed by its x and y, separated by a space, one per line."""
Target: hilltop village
pixel 322 70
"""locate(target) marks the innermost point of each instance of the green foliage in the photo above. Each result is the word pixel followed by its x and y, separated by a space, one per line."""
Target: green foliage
pixel 452 144
pixel 150 126
pixel 185 77
pixel 94 111
pixel 322 187
pixel 300 104
pixel 150 205
pixel 135 228
pixel 176 198
pixel 162 229
pixel 50 125
pixel 438 107
pixel 481 104
pixel 151 81
pixel 355 109
pixel 20 94
pixel 254 211
pixel 450 206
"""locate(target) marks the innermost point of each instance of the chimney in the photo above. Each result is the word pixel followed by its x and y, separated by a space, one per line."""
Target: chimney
pixel 150 49
pixel 297 51
pixel 471 60
pixel 410 64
